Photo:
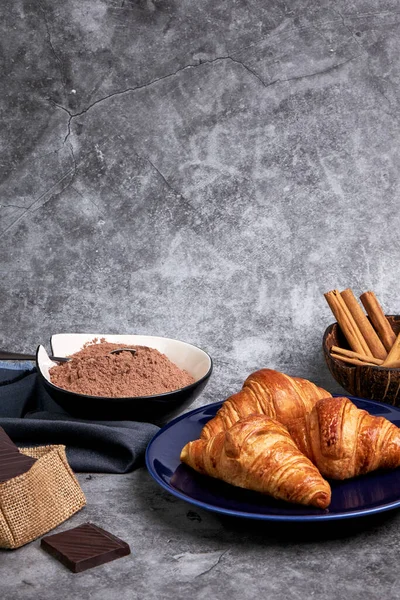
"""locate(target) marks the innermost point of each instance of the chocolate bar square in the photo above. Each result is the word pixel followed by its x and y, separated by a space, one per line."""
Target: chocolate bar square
pixel 84 547
pixel 12 461
pixel 5 440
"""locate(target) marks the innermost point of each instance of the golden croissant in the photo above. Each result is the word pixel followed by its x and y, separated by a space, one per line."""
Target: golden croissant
pixel 257 453
pixel 344 441
pixel 270 393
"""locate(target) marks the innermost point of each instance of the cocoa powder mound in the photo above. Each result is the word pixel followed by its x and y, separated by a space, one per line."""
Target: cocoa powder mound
pixel 95 372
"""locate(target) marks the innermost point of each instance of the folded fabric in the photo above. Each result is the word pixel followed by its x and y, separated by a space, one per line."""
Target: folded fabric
pixel 30 417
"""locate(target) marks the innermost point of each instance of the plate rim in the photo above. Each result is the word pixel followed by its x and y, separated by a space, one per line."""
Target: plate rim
pixel 261 516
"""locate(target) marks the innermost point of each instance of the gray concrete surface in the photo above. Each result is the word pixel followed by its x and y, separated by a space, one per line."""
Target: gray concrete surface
pixel 205 171
pixel 178 552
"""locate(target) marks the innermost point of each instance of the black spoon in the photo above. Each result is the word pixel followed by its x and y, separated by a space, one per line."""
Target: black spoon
pixel 5 355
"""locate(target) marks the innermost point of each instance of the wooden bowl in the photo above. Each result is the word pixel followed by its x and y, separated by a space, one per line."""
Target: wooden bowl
pixel 375 383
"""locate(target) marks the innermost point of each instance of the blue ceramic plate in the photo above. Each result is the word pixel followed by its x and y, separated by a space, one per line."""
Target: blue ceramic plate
pixel 366 495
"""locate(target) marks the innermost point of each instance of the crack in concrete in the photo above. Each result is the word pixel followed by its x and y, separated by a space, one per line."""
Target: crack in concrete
pixel 382 93
pixel 31 207
pixel 323 72
pixel 68 128
pixel 60 106
pixel 246 67
pixel 12 206
pixel 73 159
pixel 372 14
pixel 58 59
pixel 193 66
pixel 321 35
pixel 152 82
pixel 162 177
pixel 347 27
pixel 70 116
pixel 214 565
pixel 178 194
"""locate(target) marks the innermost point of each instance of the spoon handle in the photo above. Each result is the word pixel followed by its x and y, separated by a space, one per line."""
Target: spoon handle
pixel 6 355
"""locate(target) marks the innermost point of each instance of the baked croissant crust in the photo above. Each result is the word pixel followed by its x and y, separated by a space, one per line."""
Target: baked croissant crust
pixel 344 441
pixel 270 393
pixel 257 453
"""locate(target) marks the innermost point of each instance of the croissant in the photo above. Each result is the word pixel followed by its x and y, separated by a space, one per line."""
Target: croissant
pixel 344 441
pixel 270 393
pixel 257 453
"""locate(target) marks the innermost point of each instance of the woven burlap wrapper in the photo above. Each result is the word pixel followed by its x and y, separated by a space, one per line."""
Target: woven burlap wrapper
pixel 40 499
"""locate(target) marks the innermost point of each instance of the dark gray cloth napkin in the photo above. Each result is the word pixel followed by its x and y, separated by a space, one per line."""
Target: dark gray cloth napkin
pixel 30 417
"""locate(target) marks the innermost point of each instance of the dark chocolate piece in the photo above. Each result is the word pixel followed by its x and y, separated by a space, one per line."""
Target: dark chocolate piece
pixel 12 461
pixel 84 547
pixel 5 440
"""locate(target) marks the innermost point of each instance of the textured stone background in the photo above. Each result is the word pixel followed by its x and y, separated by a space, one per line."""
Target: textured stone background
pixel 206 171
pixel 199 170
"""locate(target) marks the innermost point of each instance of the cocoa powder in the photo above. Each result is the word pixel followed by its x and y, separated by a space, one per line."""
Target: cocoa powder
pixel 96 372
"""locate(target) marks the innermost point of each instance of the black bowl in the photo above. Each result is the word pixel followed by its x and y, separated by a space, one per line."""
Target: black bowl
pixel 153 409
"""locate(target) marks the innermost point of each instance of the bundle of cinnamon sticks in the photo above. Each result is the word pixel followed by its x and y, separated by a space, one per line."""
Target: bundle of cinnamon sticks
pixel 372 341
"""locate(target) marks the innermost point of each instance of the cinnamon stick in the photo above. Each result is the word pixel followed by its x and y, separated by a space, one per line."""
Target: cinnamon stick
pixel 367 331
pixel 353 361
pixel 351 354
pixel 360 363
pixel 346 323
pixel 394 354
pixel 378 319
